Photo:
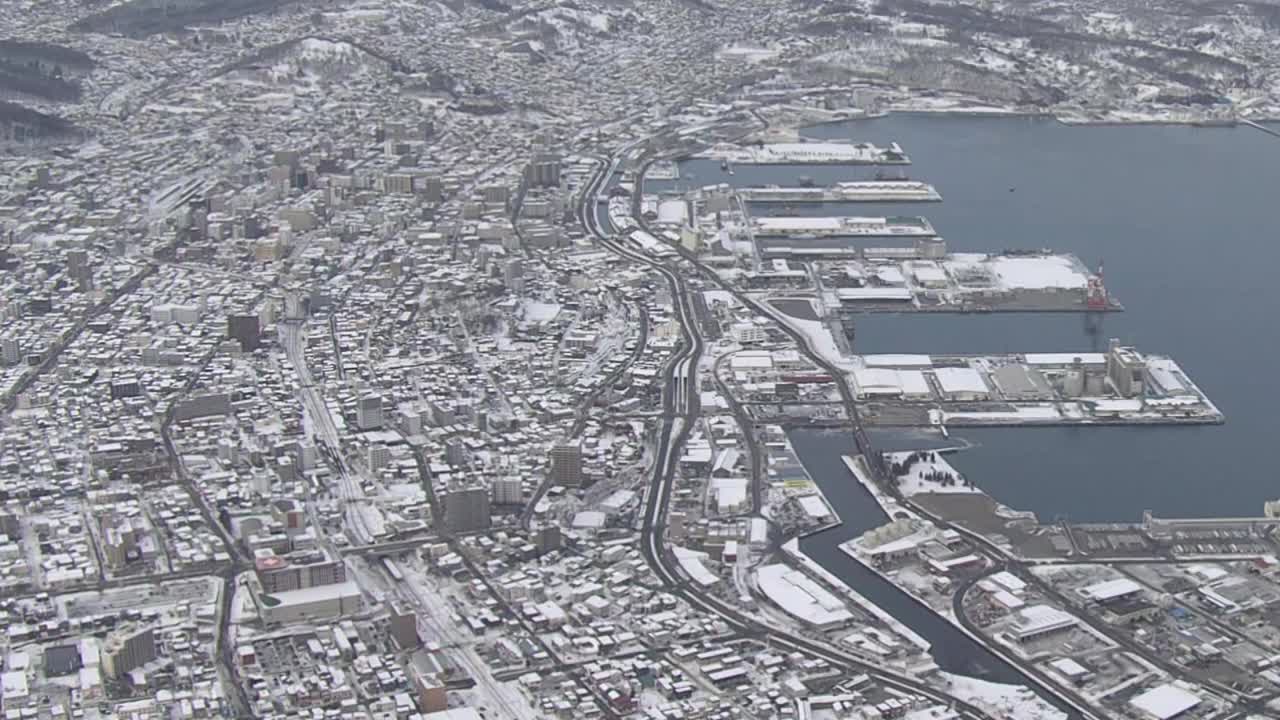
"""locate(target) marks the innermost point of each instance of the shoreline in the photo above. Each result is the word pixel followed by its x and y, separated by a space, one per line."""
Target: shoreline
pixel 976 111
pixel 993 646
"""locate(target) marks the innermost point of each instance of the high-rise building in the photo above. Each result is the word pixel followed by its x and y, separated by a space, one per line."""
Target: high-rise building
pixel 246 329
pixel 513 275
pixel 369 412
pixel 495 194
pixel 403 626
pixel 10 351
pixel 432 693
pixel 78 269
pixel 467 509
pixel 10 525
pixel 547 538
pixel 127 650
pixel 566 464
pixel 118 543
pixel 455 452
pixel 508 491
pixel 543 170
pixel 431 187
pixel 378 456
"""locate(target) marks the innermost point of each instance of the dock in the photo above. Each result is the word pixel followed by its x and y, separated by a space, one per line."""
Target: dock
pixel 1043 281
pixel 806 153
pixel 1120 387
pixel 857 191
pixel 843 226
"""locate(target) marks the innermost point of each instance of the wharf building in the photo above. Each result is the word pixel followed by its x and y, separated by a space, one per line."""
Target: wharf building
pixel 1126 368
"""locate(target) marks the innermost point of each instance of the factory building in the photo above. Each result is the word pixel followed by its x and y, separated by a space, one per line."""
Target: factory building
pixel 1040 621
pixel 1126 369
pixel 961 384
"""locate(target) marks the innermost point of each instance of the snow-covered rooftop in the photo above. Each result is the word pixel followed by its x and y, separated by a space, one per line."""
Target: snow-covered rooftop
pixel 798 595
pixel 1164 702
pixel 1039 273
pixel 960 380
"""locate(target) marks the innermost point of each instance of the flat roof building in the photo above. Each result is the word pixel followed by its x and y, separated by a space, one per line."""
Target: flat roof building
pixel 1164 702
pixel 1038 621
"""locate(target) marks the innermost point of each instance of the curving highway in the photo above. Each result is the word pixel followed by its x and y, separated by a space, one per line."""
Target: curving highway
pixel 680 410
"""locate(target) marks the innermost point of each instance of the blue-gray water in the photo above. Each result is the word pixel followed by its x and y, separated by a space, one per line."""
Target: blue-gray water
pixel 951 649
pixel 1182 218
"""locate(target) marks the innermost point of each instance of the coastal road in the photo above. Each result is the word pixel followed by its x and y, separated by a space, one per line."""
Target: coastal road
pixel 675 400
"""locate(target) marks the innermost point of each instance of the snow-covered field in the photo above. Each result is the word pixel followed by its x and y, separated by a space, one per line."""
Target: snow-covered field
pixel 1010 701
pixel 1039 273
pixel 916 480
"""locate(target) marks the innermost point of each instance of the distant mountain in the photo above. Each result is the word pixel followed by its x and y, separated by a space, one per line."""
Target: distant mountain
pixel 142 18
pixel 311 59
pixel 563 27
pixel 41 71
pixel 24 125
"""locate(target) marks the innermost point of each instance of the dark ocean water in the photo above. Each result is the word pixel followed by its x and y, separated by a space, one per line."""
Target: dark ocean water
pixel 1183 219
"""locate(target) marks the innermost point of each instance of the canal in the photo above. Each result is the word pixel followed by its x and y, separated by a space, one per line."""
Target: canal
pixel 1181 218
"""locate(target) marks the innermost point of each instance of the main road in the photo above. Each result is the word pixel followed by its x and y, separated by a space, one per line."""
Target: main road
pixel 1063 698
pixel 349 490
pixel 680 411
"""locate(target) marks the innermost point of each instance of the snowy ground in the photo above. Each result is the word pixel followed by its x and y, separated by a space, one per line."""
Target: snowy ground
pixel 1021 414
pixel 1006 701
pixel 914 482
pixel 819 338
pixel 1039 273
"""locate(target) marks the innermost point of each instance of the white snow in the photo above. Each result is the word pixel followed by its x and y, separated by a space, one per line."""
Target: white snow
pixel 1020 414
pixel 711 297
pixel 897 361
pixel 748 53
pixel 800 596
pixel 691 562
pixel 909 384
pixel 540 311
pixel 1165 701
pixel 1014 701
pixel 914 482
pixel 674 212
pixel 1039 273
pixel 819 338
pixel 961 380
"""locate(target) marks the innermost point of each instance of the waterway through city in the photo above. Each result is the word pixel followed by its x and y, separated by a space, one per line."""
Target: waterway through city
pixel 1182 218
